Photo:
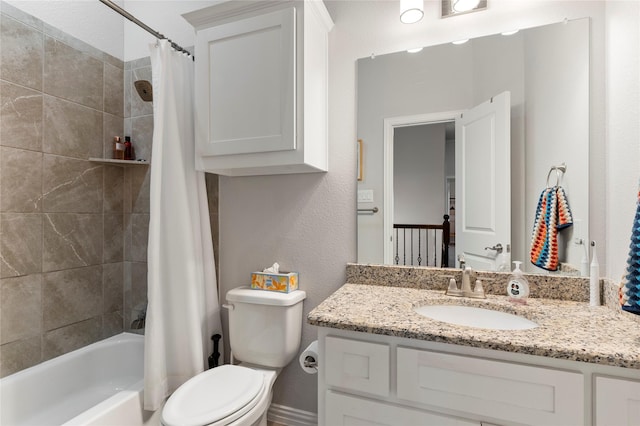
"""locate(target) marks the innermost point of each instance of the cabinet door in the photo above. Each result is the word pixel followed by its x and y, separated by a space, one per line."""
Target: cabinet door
pixel 502 390
pixel 246 75
pixel 617 401
pixel 359 366
pixel 346 410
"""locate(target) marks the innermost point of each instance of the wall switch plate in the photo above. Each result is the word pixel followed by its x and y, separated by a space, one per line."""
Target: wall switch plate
pixel 365 195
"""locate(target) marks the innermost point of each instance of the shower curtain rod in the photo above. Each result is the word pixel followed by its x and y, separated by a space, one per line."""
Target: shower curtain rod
pixel 144 26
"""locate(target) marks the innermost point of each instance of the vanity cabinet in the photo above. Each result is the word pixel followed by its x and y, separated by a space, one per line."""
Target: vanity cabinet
pixel 369 379
pixel 261 83
pixel 617 401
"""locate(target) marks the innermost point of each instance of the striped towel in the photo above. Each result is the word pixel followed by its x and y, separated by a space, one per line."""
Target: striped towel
pixel 630 286
pixel 553 213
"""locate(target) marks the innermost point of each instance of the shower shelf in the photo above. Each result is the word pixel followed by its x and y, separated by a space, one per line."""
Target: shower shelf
pixel 112 162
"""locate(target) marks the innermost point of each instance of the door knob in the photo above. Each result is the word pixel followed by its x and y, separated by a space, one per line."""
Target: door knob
pixel 497 248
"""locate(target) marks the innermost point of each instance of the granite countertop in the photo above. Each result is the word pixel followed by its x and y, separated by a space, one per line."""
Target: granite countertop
pixel 567 330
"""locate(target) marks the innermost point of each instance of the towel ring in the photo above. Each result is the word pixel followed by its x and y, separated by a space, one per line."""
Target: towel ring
pixel 559 169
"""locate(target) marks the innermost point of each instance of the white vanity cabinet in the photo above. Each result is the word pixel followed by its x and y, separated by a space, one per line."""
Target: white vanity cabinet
pixel 371 379
pixel 617 401
pixel 261 87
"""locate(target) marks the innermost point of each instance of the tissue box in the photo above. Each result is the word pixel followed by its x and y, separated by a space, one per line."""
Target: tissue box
pixel 284 282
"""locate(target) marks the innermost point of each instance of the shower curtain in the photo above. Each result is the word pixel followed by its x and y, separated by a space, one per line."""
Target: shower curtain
pixel 183 310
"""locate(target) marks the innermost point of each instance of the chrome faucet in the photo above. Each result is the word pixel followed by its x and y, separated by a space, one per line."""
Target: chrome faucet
pixel 468 277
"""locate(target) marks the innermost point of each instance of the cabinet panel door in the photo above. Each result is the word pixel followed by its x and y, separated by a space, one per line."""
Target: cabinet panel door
pixel 513 392
pixel 346 410
pixel 617 401
pixel 246 76
pixel 355 365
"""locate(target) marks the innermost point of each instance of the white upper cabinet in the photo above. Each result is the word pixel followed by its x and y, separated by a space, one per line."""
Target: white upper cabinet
pixel 261 87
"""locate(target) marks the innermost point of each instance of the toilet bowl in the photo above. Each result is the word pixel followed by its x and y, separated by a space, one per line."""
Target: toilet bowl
pixel 264 335
pixel 227 395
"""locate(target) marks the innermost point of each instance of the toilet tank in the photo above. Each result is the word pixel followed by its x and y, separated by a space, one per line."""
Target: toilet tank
pixel 265 326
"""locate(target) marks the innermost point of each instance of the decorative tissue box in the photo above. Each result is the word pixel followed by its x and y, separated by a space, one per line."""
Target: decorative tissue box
pixel 284 282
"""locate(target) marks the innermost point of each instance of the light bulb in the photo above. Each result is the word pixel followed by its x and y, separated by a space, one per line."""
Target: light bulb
pixel 464 5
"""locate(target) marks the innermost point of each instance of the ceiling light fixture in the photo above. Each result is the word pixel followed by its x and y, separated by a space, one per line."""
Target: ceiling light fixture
pixel 458 7
pixel 411 11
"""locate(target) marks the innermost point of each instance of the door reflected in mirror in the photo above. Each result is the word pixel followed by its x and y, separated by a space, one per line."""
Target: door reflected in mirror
pixel 546 71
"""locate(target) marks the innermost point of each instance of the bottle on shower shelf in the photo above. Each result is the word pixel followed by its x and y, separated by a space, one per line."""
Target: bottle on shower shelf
pixel 118 148
pixel 128 149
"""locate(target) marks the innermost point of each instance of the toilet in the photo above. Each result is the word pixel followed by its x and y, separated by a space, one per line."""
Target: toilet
pixel 264 336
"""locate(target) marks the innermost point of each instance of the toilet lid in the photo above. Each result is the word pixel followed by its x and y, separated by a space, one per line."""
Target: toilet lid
pixel 212 395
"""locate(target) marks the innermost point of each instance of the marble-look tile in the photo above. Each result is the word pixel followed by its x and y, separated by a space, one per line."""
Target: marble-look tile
pixel 71 296
pixel 114 192
pixel 113 250
pixel 20 117
pixel 66 339
pixel 113 61
pixel 73 42
pixel 142 136
pixel 211 181
pixel 112 126
pixel 140 187
pixel 113 287
pixel 20 308
pixel 71 240
pixel 139 237
pixel 20 180
pixel 128 86
pixel 70 129
pixel 138 106
pixel 73 75
pixel 113 90
pixel 18 355
pixel 112 324
pixel 21 244
pixel 135 289
pixel 139 63
pixel 21 16
pixel 22 53
pixel 71 186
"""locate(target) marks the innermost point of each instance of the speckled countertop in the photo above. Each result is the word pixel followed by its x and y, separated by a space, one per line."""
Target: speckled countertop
pixel 570 330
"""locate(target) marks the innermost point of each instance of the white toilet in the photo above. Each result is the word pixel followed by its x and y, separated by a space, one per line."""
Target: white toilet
pixel 264 335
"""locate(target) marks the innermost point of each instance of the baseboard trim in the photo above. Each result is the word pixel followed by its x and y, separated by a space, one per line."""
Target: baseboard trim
pixel 289 416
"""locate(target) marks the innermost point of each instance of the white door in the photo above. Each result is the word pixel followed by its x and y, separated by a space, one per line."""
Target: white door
pixel 483 182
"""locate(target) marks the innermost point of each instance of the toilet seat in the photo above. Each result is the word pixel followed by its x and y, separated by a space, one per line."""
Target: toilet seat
pixel 217 396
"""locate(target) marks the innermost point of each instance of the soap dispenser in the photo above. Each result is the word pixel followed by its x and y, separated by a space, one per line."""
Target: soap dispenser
pixel 518 286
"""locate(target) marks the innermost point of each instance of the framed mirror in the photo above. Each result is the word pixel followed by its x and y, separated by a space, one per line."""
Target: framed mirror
pixel 546 72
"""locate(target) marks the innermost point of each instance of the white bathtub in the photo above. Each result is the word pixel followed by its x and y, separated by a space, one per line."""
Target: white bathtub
pixel 100 384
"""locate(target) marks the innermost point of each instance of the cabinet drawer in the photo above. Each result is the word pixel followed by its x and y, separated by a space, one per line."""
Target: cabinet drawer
pixel 513 392
pixel 346 410
pixel 617 401
pixel 355 365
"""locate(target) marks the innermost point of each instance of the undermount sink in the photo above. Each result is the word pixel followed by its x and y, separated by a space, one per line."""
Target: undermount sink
pixel 475 317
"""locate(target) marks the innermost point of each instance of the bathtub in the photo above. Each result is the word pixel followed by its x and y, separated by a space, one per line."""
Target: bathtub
pixel 100 384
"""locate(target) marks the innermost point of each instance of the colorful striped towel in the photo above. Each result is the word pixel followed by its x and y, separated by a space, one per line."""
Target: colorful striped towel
pixel 553 213
pixel 630 286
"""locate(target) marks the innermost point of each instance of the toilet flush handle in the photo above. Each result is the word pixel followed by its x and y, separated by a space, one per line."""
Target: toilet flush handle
pixel 228 306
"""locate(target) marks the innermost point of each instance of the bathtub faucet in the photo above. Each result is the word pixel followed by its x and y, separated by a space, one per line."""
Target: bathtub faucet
pixel 139 322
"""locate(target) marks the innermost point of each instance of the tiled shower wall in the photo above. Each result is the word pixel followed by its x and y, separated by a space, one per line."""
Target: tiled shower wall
pixel 62 217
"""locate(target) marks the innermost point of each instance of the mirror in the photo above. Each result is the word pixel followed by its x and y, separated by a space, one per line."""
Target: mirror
pixel 546 71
